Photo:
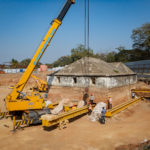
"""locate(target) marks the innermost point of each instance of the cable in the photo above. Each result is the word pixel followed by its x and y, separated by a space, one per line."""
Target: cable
pixel 88 35
pixel 88 26
pixel 82 63
pixel 85 23
pixel 85 66
pixel 87 29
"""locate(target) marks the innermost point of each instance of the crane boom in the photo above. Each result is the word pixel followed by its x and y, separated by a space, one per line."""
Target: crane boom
pixel 19 101
pixel 41 49
pixel 41 85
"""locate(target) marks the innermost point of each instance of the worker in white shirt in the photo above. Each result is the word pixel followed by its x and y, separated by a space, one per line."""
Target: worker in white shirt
pixel 92 98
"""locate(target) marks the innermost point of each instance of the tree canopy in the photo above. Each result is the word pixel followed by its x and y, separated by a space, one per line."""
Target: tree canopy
pixel 22 64
pixel 25 62
pixel 14 63
pixel 76 53
pixel 140 51
pixel 79 52
pixel 141 37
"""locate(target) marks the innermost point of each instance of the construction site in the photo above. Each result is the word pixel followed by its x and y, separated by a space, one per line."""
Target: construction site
pixel 89 104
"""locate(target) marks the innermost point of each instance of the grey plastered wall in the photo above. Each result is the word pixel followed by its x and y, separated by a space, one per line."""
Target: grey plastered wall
pixel 117 81
pixel 100 82
pixel 68 81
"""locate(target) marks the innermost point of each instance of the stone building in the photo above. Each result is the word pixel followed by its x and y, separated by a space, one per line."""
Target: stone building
pixel 93 72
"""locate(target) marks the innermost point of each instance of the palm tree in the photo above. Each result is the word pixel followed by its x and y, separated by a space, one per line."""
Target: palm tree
pixel 14 63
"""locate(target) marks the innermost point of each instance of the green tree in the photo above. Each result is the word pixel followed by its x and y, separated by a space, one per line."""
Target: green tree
pixel 141 38
pixel 123 55
pixel 81 51
pixel 76 53
pixel 14 63
pixel 49 65
pixel 102 56
pixel 138 54
pixel 62 61
pixel 111 57
pixel 25 62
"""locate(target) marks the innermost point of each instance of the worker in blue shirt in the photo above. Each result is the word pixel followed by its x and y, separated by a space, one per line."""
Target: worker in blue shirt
pixel 103 115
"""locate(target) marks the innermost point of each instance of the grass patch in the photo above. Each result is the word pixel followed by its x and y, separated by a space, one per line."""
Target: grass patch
pixel 116 71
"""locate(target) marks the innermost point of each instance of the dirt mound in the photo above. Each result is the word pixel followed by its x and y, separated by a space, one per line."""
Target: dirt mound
pixel 119 95
pixel 13 78
pixel 142 85
pixel 82 133
pixel 140 146
pixel 131 126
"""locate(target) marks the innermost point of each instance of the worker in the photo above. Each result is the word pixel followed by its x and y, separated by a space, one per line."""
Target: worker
pixel 74 107
pixel 92 99
pixel 90 108
pixel 45 95
pixel 109 102
pixel 85 97
pixel 133 95
pixel 102 119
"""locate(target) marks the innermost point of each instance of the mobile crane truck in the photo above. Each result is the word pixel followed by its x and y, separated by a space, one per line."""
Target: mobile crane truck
pixel 29 108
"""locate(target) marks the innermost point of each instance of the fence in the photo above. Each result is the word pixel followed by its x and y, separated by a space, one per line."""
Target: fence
pixel 13 70
pixel 19 70
pixel 140 68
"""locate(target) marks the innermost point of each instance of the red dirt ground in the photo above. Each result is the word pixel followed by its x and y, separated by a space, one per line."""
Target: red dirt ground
pixel 131 126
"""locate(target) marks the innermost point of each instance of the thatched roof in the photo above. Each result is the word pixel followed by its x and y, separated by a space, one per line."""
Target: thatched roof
pixel 89 66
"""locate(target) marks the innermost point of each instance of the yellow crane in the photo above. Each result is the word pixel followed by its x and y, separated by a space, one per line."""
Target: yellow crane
pixel 21 105
pixel 41 85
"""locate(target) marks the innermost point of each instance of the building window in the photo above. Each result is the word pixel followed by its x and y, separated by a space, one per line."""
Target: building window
pixel 75 80
pixel 93 80
pixel 58 79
